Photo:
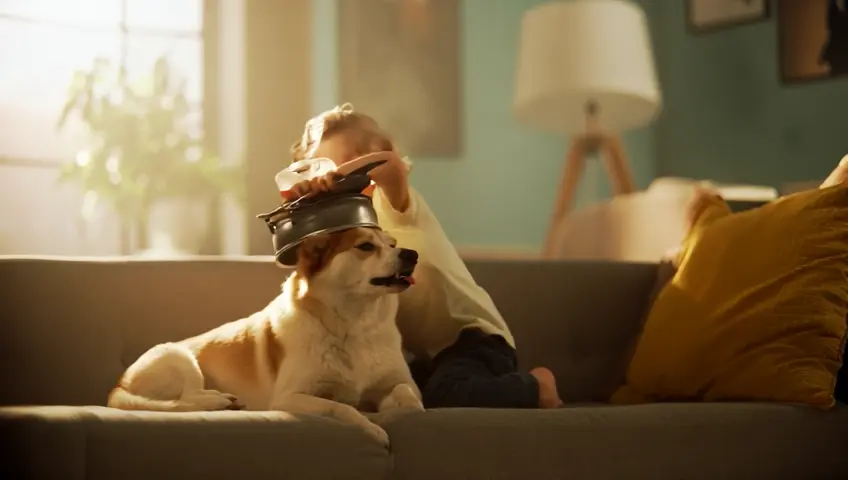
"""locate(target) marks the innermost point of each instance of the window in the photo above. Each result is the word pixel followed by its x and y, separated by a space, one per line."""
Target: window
pixel 42 42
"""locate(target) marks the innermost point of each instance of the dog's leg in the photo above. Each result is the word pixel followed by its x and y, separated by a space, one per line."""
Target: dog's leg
pixel 394 395
pixel 402 396
pixel 308 404
pixel 167 378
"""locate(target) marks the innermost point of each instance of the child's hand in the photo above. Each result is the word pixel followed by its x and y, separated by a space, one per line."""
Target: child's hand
pixel 313 186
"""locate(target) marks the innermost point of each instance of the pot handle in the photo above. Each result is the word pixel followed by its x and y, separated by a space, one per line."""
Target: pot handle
pixel 354 182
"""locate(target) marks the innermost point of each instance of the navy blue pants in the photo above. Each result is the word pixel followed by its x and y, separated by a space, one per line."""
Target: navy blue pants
pixel 478 370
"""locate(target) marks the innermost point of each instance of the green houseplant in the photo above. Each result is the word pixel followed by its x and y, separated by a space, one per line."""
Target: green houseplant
pixel 145 144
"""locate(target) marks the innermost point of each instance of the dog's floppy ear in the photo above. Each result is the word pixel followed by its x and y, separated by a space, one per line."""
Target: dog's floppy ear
pixel 311 254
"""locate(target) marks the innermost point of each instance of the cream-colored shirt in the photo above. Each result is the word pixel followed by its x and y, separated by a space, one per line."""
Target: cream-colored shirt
pixel 445 299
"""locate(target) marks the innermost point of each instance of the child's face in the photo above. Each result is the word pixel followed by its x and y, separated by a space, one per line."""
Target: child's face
pixel 351 144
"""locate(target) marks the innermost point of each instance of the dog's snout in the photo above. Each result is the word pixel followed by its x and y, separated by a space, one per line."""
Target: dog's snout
pixel 408 255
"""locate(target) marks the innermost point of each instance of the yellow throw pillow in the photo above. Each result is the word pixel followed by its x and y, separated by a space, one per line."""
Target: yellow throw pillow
pixel 756 310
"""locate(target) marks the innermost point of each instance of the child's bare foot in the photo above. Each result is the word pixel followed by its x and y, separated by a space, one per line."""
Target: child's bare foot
pixel 548 396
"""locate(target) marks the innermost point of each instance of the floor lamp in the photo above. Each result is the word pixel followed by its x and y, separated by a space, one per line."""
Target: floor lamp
pixel 586 69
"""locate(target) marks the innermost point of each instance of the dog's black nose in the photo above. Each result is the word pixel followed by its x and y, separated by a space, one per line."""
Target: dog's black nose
pixel 408 255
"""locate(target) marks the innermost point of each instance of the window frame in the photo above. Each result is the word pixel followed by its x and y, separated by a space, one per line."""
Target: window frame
pixel 126 33
pixel 207 36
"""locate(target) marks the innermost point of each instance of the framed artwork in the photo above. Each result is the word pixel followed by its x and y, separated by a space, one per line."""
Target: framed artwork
pixel 704 16
pixel 812 39
pixel 399 61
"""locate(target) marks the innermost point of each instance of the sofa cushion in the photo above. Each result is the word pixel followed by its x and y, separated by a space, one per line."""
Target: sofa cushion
pixel 93 443
pixel 756 310
pixel 112 310
pixel 597 442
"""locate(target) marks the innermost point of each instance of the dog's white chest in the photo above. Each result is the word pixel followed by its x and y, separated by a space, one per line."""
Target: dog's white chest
pixel 342 367
pixel 345 369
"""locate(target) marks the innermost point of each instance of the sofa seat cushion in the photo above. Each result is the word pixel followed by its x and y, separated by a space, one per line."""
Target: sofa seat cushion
pixel 657 441
pixel 95 443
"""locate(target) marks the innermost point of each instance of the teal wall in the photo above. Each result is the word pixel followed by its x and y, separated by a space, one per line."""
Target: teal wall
pixel 500 191
pixel 728 117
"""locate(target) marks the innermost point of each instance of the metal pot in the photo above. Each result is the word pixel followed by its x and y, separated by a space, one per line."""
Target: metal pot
pixel 343 208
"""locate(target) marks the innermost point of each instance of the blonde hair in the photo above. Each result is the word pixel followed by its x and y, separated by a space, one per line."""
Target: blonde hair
pixel 336 120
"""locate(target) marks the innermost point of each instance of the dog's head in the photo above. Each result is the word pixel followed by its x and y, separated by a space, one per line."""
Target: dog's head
pixel 361 261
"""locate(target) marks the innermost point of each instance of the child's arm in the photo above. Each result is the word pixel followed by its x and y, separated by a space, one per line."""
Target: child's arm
pixel 419 229
pixel 392 178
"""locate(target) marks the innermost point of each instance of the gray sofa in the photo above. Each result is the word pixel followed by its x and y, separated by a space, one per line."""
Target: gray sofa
pixel 70 327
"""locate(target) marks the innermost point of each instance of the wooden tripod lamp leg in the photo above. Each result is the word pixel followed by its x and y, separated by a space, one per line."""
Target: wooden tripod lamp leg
pixel 617 168
pixel 615 164
pixel 575 162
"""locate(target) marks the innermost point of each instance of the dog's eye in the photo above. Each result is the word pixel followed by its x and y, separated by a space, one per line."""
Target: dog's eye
pixel 366 247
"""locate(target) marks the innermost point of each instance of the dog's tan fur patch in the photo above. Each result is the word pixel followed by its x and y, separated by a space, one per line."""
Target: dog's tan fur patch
pixel 274 350
pixel 246 352
pixel 314 254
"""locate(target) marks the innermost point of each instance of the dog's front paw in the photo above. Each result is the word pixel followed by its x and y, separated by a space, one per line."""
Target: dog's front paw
pixel 212 400
pixel 403 400
pixel 411 407
pixel 391 415
pixel 402 397
pixel 377 433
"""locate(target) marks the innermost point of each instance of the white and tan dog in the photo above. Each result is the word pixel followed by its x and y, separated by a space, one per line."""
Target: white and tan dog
pixel 327 345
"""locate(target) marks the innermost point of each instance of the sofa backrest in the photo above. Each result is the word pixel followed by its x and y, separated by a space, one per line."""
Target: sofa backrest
pixel 69 327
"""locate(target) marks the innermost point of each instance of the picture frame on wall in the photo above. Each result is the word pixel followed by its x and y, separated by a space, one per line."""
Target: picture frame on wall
pixel 704 16
pixel 399 62
pixel 812 40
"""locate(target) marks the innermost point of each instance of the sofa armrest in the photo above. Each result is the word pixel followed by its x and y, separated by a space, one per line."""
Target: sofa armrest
pixel 43 443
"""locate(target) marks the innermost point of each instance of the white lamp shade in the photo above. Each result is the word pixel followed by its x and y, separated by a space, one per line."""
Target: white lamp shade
pixel 574 52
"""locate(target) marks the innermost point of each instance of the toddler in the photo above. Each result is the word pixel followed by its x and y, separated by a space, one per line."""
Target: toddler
pixel 464 352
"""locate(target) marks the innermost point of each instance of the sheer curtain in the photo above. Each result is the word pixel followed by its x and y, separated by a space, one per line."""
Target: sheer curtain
pixel 41 43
